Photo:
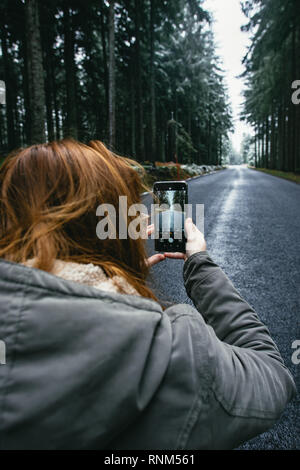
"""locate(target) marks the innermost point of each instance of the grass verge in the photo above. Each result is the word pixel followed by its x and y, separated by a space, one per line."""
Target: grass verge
pixel 280 174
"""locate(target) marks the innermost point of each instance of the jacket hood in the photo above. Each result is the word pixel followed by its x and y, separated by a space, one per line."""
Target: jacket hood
pixel 81 363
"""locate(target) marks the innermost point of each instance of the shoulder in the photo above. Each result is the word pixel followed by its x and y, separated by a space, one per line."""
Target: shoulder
pixel 184 390
pixel 191 340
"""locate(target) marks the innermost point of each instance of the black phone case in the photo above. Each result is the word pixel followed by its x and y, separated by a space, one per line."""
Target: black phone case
pixel 166 246
pixel 178 246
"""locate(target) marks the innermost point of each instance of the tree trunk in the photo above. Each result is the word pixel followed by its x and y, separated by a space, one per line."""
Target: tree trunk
pixel 280 138
pixel 273 137
pixel 36 87
pixel 23 53
pixel 259 146
pixel 112 77
pixel 267 142
pixel 152 83
pixel 209 137
pixel 69 55
pixel 49 92
pixel 56 107
pixel 289 159
pixel 139 94
pixel 132 114
pixel 9 97
pixel 255 147
pixel 263 149
pixel 284 142
pixel 105 61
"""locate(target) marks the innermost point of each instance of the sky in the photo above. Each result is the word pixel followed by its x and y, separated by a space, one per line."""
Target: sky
pixel 231 47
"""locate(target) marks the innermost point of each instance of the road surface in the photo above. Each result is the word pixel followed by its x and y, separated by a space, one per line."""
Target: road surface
pixel 252 228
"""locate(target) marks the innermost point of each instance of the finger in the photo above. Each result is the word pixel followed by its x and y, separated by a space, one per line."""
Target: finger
pixel 150 229
pixel 191 229
pixel 155 259
pixel 188 226
pixel 175 255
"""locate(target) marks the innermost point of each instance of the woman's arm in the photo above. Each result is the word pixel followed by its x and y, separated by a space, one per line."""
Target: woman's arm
pixel 250 383
pixel 226 381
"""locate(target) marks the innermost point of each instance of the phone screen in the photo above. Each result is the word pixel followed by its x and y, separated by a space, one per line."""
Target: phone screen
pixel 169 215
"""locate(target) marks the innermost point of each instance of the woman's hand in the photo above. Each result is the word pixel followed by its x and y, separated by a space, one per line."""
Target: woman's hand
pixel 155 259
pixel 195 239
pixel 195 244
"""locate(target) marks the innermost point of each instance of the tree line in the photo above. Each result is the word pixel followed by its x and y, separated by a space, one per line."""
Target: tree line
pixel 140 75
pixel 272 65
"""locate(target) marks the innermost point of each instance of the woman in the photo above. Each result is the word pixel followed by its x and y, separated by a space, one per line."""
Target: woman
pixel 92 359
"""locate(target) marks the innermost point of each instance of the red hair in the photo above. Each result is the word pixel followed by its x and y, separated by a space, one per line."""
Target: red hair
pixel 48 199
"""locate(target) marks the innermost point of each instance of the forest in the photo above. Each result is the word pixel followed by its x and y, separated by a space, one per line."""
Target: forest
pixel 144 77
pixel 272 68
pixel 140 75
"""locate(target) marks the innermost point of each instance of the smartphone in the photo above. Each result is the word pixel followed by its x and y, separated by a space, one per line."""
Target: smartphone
pixel 170 198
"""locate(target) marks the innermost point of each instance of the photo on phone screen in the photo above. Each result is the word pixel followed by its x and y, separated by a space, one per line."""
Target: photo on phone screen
pixel 169 215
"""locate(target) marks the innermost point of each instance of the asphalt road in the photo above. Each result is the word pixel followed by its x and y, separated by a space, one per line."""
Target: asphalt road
pixel 252 228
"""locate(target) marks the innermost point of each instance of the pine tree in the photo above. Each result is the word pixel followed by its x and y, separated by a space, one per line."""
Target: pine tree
pixel 36 85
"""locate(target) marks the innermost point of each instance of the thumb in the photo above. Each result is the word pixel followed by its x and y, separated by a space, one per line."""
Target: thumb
pixel 188 227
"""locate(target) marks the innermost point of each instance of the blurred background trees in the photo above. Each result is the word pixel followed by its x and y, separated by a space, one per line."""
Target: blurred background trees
pixel 271 66
pixel 141 75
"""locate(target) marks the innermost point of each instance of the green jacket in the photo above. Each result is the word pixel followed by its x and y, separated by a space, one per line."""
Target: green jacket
pixel 88 369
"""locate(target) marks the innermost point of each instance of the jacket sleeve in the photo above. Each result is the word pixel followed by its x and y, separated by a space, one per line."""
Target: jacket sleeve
pixel 249 382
